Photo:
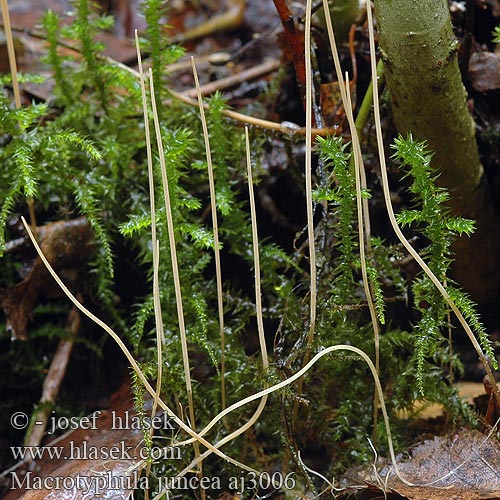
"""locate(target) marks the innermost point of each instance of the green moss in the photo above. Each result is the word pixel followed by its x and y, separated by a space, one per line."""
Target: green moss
pixel 72 156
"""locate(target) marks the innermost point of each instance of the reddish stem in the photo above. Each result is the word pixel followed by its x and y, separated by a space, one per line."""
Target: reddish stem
pixel 295 42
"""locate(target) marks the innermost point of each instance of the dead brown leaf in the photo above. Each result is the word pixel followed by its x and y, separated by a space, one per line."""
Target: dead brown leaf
pixel 484 71
pixel 331 104
pixel 83 477
pixel 463 466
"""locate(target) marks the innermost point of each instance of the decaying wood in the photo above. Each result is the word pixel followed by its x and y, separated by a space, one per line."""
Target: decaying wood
pixel 493 411
pixel 66 246
pixel 54 378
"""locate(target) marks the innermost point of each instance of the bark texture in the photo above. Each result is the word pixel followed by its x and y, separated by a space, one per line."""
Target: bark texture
pixel 428 99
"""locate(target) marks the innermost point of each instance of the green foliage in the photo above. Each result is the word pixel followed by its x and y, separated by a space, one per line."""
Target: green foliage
pixel 496 34
pixel 139 394
pixel 433 220
pixel 194 244
pixel 341 392
pixel 82 152
pixel 160 53
pixel 377 292
pixel 29 156
pixel 50 23
pixel 343 198
pixel 86 153
pixel 411 361
pixel 84 29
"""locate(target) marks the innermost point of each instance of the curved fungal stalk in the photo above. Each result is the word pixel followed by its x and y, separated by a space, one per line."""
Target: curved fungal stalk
pixel 397 230
pixel 260 326
pixel 133 363
pixel 215 225
pixel 154 242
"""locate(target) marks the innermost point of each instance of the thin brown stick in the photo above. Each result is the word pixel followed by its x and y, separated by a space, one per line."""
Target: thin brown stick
pixel 181 65
pixel 53 381
pixel 287 128
pixel 233 80
pixel 229 20
pixel 352 54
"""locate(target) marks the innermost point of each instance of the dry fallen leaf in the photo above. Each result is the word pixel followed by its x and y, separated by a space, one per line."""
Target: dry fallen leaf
pixel 426 410
pixel 81 477
pixel 484 71
pixel 464 466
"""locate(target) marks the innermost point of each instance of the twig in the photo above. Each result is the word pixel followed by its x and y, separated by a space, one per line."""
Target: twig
pixel 231 19
pixel 287 128
pixel 352 54
pixel 53 380
pixel 233 80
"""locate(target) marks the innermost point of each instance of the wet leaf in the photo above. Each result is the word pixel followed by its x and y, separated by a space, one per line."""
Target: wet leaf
pixel 82 477
pixel 464 466
pixel 484 71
